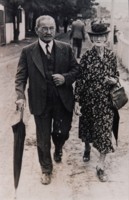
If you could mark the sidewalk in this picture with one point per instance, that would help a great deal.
(12, 50)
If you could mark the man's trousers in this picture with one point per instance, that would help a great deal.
(55, 121)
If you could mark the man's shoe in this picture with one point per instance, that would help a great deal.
(46, 178)
(58, 155)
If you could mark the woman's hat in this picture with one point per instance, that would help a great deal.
(98, 29)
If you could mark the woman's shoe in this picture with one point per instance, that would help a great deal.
(101, 174)
(58, 155)
(86, 156)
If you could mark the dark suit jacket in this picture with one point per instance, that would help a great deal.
(78, 30)
(31, 68)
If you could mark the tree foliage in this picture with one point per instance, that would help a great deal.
(56, 8)
(15, 5)
(53, 7)
(86, 7)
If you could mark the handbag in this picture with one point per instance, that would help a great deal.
(118, 96)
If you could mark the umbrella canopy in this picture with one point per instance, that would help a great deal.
(115, 127)
(19, 137)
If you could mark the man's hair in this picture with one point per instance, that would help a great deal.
(44, 17)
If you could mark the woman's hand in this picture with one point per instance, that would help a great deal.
(110, 80)
(77, 109)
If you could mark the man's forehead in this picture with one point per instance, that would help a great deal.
(47, 22)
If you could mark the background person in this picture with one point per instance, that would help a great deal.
(98, 74)
(115, 35)
(65, 24)
(50, 68)
(77, 34)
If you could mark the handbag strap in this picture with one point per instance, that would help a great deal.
(118, 84)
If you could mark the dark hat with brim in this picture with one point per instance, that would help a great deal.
(98, 29)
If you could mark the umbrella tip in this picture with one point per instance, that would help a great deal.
(15, 196)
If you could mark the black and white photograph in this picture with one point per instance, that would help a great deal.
(64, 103)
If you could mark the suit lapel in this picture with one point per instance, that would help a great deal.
(59, 53)
(36, 56)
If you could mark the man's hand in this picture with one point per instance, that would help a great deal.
(58, 79)
(20, 104)
(77, 109)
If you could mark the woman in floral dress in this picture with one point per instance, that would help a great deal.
(98, 74)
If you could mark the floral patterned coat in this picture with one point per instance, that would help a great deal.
(93, 94)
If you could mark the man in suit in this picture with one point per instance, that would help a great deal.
(77, 34)
(50, 68)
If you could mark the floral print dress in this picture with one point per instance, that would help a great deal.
(93, 95)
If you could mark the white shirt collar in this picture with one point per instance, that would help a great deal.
(43, 45)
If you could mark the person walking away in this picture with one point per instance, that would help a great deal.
(98, 74)
(65, 24)
(78, 35)
(50, 69)
(115, 35)
(57, 24)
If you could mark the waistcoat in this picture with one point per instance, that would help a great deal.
(49, 68)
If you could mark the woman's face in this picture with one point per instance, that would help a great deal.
(99, 40)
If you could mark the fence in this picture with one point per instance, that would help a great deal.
(123, 51)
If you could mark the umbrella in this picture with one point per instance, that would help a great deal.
(115, 127)
(19, 137)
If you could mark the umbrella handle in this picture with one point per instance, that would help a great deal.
(21, 113)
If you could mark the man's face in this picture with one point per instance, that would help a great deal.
(46, 30)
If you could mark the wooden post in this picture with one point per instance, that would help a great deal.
(112, 24)
(128, 9)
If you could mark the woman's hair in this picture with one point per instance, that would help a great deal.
(93, 36)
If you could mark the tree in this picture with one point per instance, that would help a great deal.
(33, 9)
(29, 6)
(86, 7)
(16, 11)
(55, 8)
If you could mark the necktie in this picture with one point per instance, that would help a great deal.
(47, 51)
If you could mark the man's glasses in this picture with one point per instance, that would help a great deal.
(46, 29)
